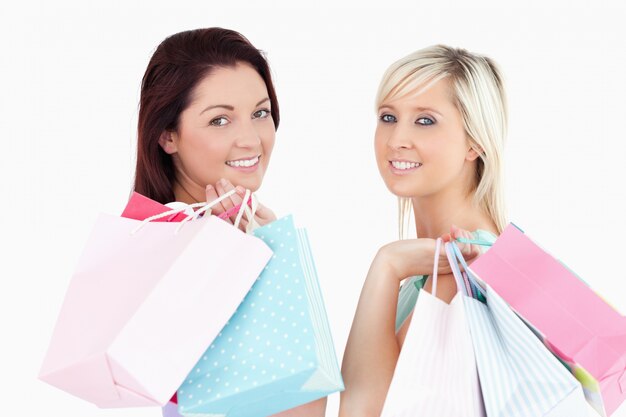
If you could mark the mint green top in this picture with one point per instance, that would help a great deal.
(411, 287)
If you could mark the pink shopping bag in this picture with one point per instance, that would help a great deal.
(140, 207)
(586, 333)
(134, 296)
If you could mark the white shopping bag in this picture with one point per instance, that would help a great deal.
(145, 301)
(436, 371)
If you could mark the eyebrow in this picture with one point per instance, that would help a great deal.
(229, 107)
(418, 108)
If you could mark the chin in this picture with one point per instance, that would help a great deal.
(403, 190)
(252, 184)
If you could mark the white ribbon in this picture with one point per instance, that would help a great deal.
(204, 208)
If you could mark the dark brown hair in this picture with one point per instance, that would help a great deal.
(179, 63)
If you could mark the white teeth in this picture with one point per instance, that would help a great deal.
(405, 165)
(243, 162)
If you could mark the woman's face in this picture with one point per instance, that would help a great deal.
(421, 145)
(226, 132)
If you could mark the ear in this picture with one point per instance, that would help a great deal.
(474, 150)
(473, 154)
(168, 141)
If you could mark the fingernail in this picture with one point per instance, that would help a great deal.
(209, 187)
(222, 182)
(240, 189)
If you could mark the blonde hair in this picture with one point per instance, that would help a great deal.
(478, 93)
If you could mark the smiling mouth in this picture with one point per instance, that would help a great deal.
(404, 165)
(244, 163)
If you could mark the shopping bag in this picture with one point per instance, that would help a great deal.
(140, 207)
(276, 352)
(585, 332)
(519, 376)
(436, 371)
(135, 294)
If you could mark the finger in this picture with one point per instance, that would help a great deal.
(264, 215)
(475, 250)
(444, 264)
(221, 186)
(241, 193)
(456, 233)
(469, 249)
(243, 224)
(235, 198)
(211, 195)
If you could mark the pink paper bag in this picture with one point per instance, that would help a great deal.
(134, 297)
(586, 333)
(140, 207)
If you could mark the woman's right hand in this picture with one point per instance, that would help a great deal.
(262, 216)
(411, 257)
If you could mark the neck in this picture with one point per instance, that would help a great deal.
(435, 214)
(188, 192)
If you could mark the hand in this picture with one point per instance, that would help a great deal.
(411, 257)
(468, 250)
(262, 216)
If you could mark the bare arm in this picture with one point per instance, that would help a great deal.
(372, 350)
(315, 408)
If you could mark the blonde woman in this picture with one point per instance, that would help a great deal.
(442, 121)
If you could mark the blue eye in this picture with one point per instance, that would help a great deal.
(219, 121)
(261, 114)
(387, 118)
(427, 121)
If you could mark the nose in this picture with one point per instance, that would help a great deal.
(400, 137)
(247, 135)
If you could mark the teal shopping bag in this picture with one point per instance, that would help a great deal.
(276, 352)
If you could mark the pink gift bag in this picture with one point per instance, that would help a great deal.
(136, 294)
(577, 325)
(140, 207)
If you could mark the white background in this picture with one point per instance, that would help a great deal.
(70, 77)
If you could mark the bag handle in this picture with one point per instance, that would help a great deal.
(205, 206)
(233, 210)
(436, 266)
(242, 208)
(465, 281)
(474, 241)
(477, 291)
(461, 285)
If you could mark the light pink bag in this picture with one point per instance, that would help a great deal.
(587, 334)
(135, 296)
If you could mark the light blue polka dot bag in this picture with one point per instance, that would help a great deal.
(276, 352)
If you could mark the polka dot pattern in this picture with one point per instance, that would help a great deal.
(268, 338)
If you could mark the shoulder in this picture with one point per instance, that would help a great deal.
(486, 236)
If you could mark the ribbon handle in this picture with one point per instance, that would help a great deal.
(205, 207)
(474, 241)
(465, 281)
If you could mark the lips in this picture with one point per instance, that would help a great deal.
(244, 162)
(404, 165)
